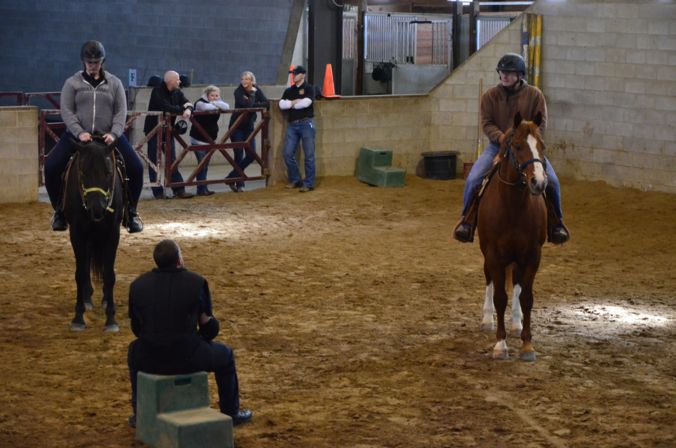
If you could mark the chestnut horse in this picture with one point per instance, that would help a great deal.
(512, 223)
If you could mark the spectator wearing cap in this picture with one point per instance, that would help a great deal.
(298, 101)
(167, 97)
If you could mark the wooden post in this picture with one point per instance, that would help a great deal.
(361, 51)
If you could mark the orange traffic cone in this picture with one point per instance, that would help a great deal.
(290, 82)
(328, 91)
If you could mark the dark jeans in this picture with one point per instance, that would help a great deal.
(482, 167)
(152, 175)
(210, 357)
(241, 159)
(56, 161)
(300, 130)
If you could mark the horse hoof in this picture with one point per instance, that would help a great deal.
(528, 356)
(515, 332)
(88, 306)
(114, 328)
(77, 327)
(500, 355)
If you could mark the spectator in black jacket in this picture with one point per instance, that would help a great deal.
(210, 101)
(167, 97)
(166, 307)
(247, 95)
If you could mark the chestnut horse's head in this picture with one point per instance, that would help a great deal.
(526, 149)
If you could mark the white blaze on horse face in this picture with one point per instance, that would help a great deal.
(538, 168)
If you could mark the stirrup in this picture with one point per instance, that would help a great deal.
(463, 232)
(135, 224)
(59, 223)
(558, 234)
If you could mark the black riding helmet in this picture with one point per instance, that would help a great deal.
(512, 62)
(92, 51)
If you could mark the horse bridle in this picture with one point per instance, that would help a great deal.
(108, 194)
(519, 167)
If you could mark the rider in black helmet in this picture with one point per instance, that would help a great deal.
(93, 102)
(499, 105)
(92, 51)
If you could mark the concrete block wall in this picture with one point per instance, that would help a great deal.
(18, 154)
(610, 81)
(215, 41)
(455, 101)
(399, 123)
(609, 76)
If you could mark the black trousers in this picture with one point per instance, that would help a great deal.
(208, 356)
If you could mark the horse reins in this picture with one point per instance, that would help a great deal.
(107, 194)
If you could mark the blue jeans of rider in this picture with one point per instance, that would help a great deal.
(242, 157)
(152, 175)
(209, 357)
(202, 175)
(483, 165)
(301, 130)
(57, 160)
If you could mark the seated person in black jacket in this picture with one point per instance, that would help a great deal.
(167, 306)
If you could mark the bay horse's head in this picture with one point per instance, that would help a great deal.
(95, 164)
(525, 148)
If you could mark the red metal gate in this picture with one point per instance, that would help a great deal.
(220, 146)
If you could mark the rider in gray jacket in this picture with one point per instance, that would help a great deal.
(93, 102)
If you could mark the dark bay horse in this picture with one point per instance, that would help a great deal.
(93, 205)
(512, 223)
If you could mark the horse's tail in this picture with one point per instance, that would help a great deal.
(98, 246)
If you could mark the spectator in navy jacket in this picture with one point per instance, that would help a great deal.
(247, 95)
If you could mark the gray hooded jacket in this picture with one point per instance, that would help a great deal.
(101, 109)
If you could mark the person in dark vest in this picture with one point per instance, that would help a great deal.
(499, 105)
(247, 95)
(93, 102)
(298, 101)
(171, 316)
(167, 97)
(210, 101)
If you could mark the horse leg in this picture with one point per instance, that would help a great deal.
(487, 322)
(500, 351)
(83, 283)
(111, 325)
(517, 315)
(88, 297)
(526, 299)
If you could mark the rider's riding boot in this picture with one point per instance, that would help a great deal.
(464, 231)
(557, 232)
(135, 224)
(59, 223)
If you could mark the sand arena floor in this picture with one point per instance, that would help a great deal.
(355, 321)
